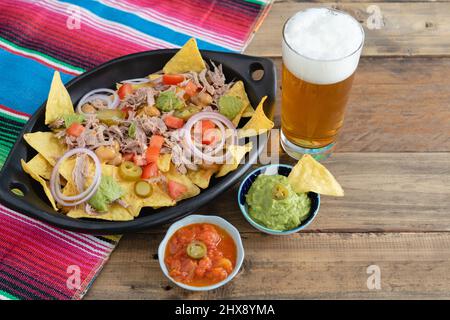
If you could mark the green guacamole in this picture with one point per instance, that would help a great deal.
(274, 204)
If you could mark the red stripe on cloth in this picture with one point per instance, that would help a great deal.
(63, 243)
(229, 18)
(34, 257)
(26, 23)
(2, 107)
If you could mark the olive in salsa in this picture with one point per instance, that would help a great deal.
(200, 254)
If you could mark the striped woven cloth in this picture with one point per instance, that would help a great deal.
(38, 261)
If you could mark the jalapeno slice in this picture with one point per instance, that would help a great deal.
(196, 249)
(279, 192)
(129, 171)
(110, 116)
(143, 189)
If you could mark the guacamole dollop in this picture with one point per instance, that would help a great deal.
(108, 191)
(230, 106)
(274, 204)
(168, 101)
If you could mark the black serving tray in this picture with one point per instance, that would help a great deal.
(35, 204)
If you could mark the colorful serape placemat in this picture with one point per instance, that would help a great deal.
(38, 261)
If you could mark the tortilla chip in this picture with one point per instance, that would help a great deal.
(70, 189)
(43, 183)
(58, 102)
(46, 144)
(248, 112)
(238, 90)
(258, 123)
(310, 175)
(192, 189)
(115, 213)
(238, 153)
(40, 166)
(154, 76)
(188, 58)
(159, 198)
(164, 161)
(201, 177)
(134, 86)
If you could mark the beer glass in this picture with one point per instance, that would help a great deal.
(321, 49)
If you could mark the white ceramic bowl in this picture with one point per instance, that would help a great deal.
(228, 227)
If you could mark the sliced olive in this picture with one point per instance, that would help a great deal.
(196, 249)
(187, 112)
(110, 116)
(280, 192)
(143, 189)
(129, 171)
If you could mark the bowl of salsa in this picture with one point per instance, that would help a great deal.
(201, 253)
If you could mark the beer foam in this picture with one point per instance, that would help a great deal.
(322, 46)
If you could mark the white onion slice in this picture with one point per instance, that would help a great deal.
(104, 94)
(55, 182)
(136, 81)
(216, 118)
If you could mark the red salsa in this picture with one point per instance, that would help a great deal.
(200, 254)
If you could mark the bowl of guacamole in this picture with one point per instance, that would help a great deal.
(269, 203)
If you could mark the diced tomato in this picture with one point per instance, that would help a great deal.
(126, 110)
(128, 156)
(211, 136)
(171, 79)
(152, 154)
(156, 141)
(125, 90)
(191, 89)
(75, 129)
(150, 170)
(139, 160)
(173, 122)
(206, 125)
(176, 190)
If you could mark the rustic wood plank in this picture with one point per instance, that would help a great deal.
(412, 265)
(409, 29)
(384, 192)
(396, 105)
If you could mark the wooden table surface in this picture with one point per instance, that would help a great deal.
(392, 159)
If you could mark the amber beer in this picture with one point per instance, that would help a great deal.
(321, 49)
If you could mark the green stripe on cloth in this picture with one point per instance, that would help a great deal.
(6, 296)
(12, 126)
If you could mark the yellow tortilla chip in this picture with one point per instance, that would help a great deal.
(43, 183)
(40, 166)
(154, 76)
(159, 198)
(248, 112)
(238, 90)
(258, 123)
(201, 177)
(58, 102)
(46, 144)
(188, 58)
(310, 175)
(164, 161)
(115, 213)
(192, 189)
(238, 153)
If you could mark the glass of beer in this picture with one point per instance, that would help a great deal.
(321, 49)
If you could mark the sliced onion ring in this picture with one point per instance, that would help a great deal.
(136, 81)
(215, 117)
(55, 182)
(100, 94)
